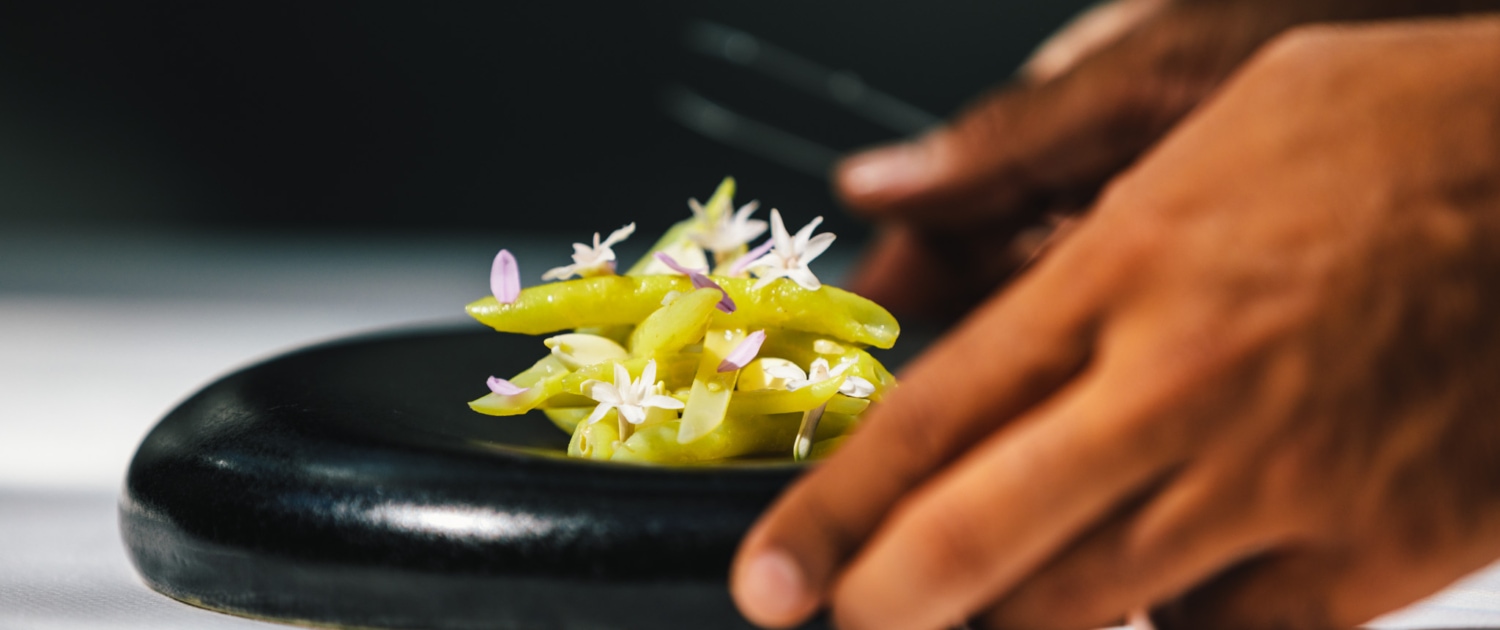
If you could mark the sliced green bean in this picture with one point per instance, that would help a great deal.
(627, 300)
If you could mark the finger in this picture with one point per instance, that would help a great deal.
(1091, 30)
(1011, 353)
(1203, 522)
(972, 533)
(1003, 157)
(1016, 148)
(1034, 140)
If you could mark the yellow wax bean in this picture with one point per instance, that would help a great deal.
(626, 300)
(800, 348)
(618, 334)
(496, 405)
(567, 418)
(835, 425)
(547, 366)
(675, 325)
(847, 405)
(709, 398)
(824, 448)
(737, 436)
(597, 440)
(770, 401)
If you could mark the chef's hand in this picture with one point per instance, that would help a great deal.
(1259, 386)
(1088, 104)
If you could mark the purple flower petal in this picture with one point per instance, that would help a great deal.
(677, 267)
(505, 388)
(744, 353)
(699, 281)
(505, 277)
(744, 261)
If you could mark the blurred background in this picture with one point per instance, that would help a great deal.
(444, 116)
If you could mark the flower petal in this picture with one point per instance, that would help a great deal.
(804, 276)
(560, 273)
(799, 242)
(779, 234)
(505, 277)
(634, 414)
(622, 378)
(600, 411)
(743, 353)
(672, 264)
(648, 375)
(786, 371)
(618, 235)
(856, 387)
(726, 303)
(818, 370)
(700, 281)
(662, 401)
(505, 388)
(816, 247)
(603, 392)
(756, 254)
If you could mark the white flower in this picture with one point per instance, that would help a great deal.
(853, 386)
(631, 398)
(728, 231)
(591, 261)
(789, 256)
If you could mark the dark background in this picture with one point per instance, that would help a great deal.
(444, 116)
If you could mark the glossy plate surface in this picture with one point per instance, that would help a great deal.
(350, 485)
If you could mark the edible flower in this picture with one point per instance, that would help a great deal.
(699, 280)
(592, 261)
(817, 372)
(631, 398)
(505, 388)
(744, 352)
(790, 255)
(505, 277)
(724, 232)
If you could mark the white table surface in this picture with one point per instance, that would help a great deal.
(103, 331)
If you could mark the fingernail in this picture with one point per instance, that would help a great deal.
(1140, 619)
(773, 587)
(887, 170)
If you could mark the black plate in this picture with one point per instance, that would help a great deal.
(349, 485)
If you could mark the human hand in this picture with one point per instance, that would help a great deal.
(1256, 388)
(1088, 104)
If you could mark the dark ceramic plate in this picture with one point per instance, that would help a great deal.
(349, 485)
